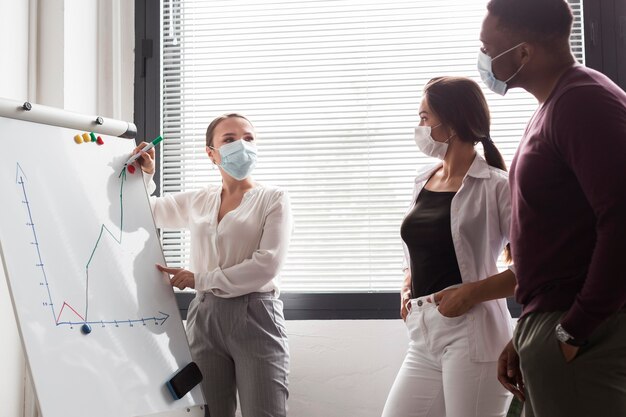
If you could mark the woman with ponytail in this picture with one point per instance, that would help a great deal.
(453, 297)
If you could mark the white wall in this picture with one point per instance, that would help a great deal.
(14, 48)
(13, 84)
(80, 38)
(84, 56)
(343, 368)
(49, 54)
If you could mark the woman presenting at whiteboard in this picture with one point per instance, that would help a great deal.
(240, 233)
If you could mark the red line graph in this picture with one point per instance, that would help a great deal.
(71, 308)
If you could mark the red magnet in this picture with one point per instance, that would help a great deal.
(131, 169)
(100, 141)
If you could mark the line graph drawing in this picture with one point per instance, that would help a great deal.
(20, 179)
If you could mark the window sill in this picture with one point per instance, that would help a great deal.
(336, 306)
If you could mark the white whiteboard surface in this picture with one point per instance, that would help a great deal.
(79, 244)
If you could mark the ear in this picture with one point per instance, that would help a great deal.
(526, 51)
(209, 153)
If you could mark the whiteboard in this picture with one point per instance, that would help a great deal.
(79, 245)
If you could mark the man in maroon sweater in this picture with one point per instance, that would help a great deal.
(568, 223)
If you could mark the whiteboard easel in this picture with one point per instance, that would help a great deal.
(78, 246)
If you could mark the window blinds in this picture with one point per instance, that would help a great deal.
(333, 88)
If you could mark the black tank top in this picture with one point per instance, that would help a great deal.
(427, 233)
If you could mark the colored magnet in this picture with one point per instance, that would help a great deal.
(78, 139)
(131, 169)
(99, 141)
(85, 328)
(86, 137)
(93, 137)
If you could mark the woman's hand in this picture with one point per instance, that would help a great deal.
(454, 302)
(405, 294)
(146, 160)
(405, 298)
(182, 278)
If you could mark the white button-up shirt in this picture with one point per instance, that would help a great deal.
(241, 254)
(480, 216)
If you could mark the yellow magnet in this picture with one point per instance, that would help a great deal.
(78, 139)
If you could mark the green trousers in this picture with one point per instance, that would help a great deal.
(593, 384)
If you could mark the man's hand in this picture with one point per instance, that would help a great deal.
(569, 351)
(509, 373)
(181, 279)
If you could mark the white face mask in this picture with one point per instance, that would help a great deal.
(486, 72)
(428, 145)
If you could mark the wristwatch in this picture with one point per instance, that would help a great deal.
(563, 336)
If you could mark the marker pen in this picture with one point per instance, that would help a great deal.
(145, 149)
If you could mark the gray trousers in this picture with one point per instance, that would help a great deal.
(240, 345)
(592, 384)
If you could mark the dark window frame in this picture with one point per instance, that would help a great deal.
(147, 107)
(605, 32)
(605, 38)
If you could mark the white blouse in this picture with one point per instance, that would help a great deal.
(241, 254)
(480, 216)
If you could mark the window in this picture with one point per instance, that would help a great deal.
(333, 88)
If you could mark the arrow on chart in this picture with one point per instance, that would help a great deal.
(167, 316)
(19, 174)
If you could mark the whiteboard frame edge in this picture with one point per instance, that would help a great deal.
(19, 330)
(190, 411)
(53, 116)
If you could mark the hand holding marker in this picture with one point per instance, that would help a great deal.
(145, 149)
(134, 157)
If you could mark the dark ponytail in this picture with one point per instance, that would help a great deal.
(492, 154)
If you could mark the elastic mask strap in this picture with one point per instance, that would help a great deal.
(507, 51)
(516, 72)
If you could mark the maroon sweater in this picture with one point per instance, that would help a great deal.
(568, 185)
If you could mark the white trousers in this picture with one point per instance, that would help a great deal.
(437, 378)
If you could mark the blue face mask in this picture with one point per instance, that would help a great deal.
(486, 72)
(238, 158)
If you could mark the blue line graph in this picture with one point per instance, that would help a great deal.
(20, 179)
(144, 321)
